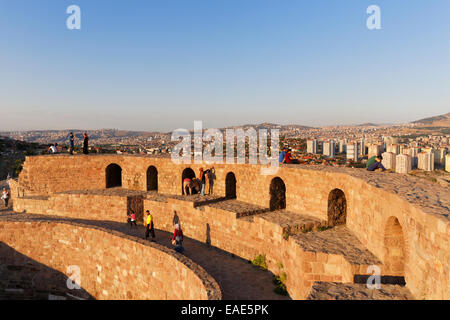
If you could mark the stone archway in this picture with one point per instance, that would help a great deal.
(277, 194)
(394, 248)
(187, 173)
(337, 208)
(230, 186)
(113, 176)
(152, 179)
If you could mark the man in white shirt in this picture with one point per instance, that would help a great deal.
(52, 149)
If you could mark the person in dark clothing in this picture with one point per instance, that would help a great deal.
(71, 143)
(376, 165)
(85, 143)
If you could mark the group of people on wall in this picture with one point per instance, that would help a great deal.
(204, 184)
(55, 148)
(286, 156)
(177, 238)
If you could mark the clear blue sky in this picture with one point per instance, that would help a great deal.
(160, 65)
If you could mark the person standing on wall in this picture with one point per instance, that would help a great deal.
(71, 143)
(150, 228)
(203, 181)
(5, 197)
(85, 143)
(211, 177)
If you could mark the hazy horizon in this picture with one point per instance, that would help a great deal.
(157, 66)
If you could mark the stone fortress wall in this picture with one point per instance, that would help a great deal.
(401, 221)
(111, 266)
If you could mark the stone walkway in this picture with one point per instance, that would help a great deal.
(353, 291)
(238, 279)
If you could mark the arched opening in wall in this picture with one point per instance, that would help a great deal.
(394, 249)
(187, 173)
(337, 208)
(230, 186)
(277, 194)
(152, 179)
(113, 176)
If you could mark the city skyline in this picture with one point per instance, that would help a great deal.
(158, 66)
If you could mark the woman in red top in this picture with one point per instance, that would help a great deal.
(288, 157)
(177, 239)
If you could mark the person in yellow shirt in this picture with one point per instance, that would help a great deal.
(150, 229)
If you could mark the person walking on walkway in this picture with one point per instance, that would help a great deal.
(5, 197)
(85, 143)
(132, 219)
(150, 228)
(71, 143)
(177, 239)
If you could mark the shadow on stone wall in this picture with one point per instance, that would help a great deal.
(22, 278)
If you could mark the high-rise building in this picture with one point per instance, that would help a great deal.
(362, 143)
(426, 161)
(388, 160)
(413, 153)
(439, 156)
(329, 149)
(311, 146)
(343, 146)
(447, 163)
(394, 148)
(352, 151)
(402, 163)
(374, 150)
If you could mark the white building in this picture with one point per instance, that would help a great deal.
(343, 146)
(402, 163)
(413, 153)
(394, 148)
(362, 143)
(388, 160)
(426, 161)
(374, 150)
(447, 163)
(329, 149)
(352, 151)
(439, 156)
(311, 146)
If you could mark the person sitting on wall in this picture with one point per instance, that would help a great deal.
(371, 161)
(282, 155)
(376, 165)
(287, 157)
(52, 149)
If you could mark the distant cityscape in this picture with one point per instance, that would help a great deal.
(421, 145)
